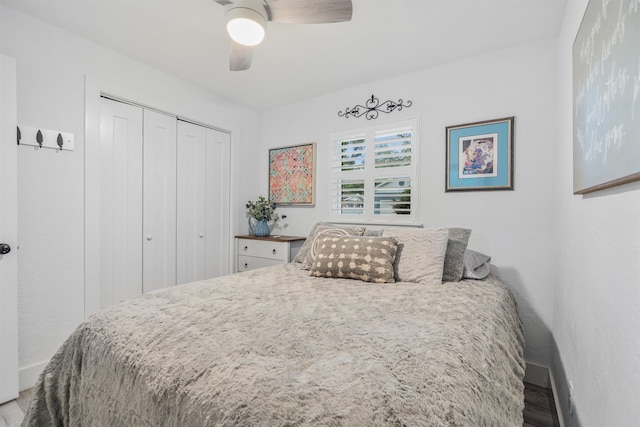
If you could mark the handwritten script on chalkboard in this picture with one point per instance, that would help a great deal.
(606, 96)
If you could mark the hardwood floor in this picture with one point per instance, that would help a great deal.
(12, 413)
(539, 408)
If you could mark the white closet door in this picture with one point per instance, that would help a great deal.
(218, 203)
(203, 203)
(159, 208)
(192, 163)
(121, 201)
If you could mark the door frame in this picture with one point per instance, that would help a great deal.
(96, 87)
(9, 362)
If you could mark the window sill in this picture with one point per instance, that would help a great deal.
(375, 223)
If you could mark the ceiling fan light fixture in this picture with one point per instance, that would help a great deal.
(246, 21)
(246, 26)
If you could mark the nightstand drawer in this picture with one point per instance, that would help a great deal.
(246, 263)
(257, 252)
(263, 249)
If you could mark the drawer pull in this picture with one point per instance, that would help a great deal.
(245, 248)
(273, 251)
(246, 264)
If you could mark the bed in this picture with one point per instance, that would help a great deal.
(286, 346)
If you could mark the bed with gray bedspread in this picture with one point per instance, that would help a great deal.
(276, 347)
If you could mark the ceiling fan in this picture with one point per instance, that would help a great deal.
(247, 21)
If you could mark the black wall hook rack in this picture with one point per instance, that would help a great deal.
(45, 138)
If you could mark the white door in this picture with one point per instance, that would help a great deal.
(120, 202)
(192, 164)
(218, 202)
(159, 205)
(8, 232)
(203, 202)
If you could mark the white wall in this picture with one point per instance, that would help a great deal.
(51, 69)
(573, 261)
(514, 227)
(596, 314)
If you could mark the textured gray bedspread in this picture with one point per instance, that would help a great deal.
(275, 347)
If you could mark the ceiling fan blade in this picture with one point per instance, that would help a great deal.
(241, 56)
(223, 2)
(309, 11)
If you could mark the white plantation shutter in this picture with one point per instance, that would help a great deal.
(348, 166)
(393, 148)
(374, 173)
(392, 196)
(352, 153)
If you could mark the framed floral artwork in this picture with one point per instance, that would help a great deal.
(480, 156)
(292, 174)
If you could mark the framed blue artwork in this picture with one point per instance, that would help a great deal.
(480, 156)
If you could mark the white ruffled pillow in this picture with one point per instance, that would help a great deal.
(420, 255)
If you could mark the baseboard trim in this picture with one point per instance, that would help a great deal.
(537, 375)
(543, 377)
(554, 388)
(560, 382)
(28, 376)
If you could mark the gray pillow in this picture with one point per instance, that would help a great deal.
(454, 259)
(421, 254)
(476, 265)
(369, 259)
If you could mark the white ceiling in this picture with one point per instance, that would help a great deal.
(385, 38)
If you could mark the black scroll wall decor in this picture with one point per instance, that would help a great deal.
(372, 107)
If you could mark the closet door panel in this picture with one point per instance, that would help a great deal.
(217, 203)
(159, 206)
(191, 210)
(121, 202)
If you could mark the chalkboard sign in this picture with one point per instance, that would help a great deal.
(606, 96)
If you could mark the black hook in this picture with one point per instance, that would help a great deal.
(39, 138)
(19, 134)
(60, 141)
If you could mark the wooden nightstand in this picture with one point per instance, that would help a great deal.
(256, 252)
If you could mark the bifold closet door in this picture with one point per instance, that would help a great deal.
(203, 203)
(164, 202)
(218, 203)
(159, 201)
(121, 157)
(138, 201)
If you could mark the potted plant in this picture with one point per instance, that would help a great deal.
(262, 211)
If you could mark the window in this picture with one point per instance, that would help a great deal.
(374, 173)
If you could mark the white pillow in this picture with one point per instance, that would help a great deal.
(420, 255)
